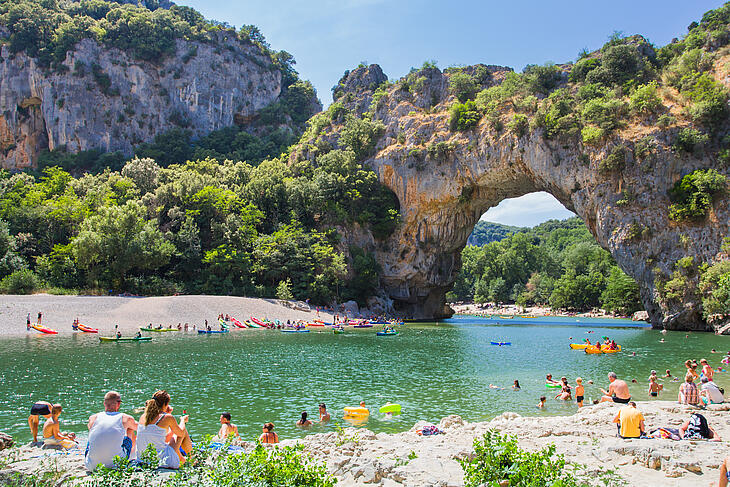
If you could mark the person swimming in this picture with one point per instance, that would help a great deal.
(516, 385)
(268, 436)
(303, 422)
(541, 404)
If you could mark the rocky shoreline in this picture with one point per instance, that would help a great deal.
(588, 438)
(489, 309)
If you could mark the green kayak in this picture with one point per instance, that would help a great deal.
(158, 330)
(125, 339)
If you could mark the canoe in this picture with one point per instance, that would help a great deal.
(258, 322)
(295, 331)
(315, 324)
(86, 329)
(125, 339)
(579, 346)
(212, 331)
(363, 325)
(43, 329)
(594, 350)
(507, 317)
(223, 324)
(501, 343)
(158, 330)
(238, 323)
(386, 333)
(391, 408)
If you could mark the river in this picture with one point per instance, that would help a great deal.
(431, 369)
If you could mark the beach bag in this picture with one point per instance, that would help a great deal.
(429, 430)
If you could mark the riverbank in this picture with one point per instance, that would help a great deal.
(129, 313)
(360, 457)
(489, 309)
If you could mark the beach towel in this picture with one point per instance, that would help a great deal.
(429, 430)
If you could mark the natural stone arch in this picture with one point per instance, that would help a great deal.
(446, 180)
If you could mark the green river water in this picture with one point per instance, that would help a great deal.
(432, 370)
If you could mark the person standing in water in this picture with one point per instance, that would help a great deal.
(324, 416)
(579, 391)
(228, 429)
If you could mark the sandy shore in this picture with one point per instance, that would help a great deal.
(360, 457)
(104, 312)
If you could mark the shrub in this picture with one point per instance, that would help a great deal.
(23, 281)
(361, 136)
(497, 458)
(645, 147)
(715, 288)
(690, 140)
(440, 150)
(592, 135)
(645, 99)
(283, 290)
(464, 115)
(582, 68)
(604, 112)
(614, 161)
(463, 86)
(542, 79)
(693, 195)
(709, 101)
(519, 124)
(620, 64)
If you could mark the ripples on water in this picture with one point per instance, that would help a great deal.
(432, 370)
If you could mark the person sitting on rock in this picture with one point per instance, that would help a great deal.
(688, 393)
(710, 393)
(617, 392)
(724, 473)
(697, 428)
(268, 436)
(111, 434)
(630, 421)
(228, 429)
(52, 435)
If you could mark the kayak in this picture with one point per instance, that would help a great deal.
(391, 408)
(85, 329)
(337, 331)
(592, 350)
(363, 325)
(43, 329)
(238, 323)
(223, 324)
(386, 333)
(295, 331)
(579, 346)
(125, 339)
(315, 324)
(501, 343)
(158, 330)
(258, 322)
(213, 331)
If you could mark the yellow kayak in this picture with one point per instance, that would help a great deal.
(593, 349)
(579, 346)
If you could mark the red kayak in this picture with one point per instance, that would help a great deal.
(86, 329)
(238, 323)
(259, 322)
(43, 329)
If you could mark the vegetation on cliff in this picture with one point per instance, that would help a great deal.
(557, 263)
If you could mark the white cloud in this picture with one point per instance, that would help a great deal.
(528, 210)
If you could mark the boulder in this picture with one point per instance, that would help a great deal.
(6, 441)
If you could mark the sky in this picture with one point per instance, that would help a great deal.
(328, 37)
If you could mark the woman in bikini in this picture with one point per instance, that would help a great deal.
(268, 436)
(158, 427)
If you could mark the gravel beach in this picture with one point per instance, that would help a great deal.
(104, 312)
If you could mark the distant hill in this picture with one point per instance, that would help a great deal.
(486, 232)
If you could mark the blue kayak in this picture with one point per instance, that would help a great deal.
(501, 343)
(295, 331)
(386, 333)
(213, 331)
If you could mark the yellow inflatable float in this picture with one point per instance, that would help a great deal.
(356, 411)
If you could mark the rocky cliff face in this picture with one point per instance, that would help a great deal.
(445, 180)
(107, 100)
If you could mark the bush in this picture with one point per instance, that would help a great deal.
(693, 195)
(709, 101)
(604, 113)
(497, 458)
(542, 79)
(463, 86)
(283, 290)
(592, 135)
(464, 116)
(614, 161)
(690, 140)
(645, 99)
(519, 124)
(582, 68)
(620, 64)
(715, 288)
(23, 281)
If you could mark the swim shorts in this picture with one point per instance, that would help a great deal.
(621, 401)
(40, 410)
(578, 398)
(654, 394)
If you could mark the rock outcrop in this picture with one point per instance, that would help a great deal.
(445, 180)
(107, 100)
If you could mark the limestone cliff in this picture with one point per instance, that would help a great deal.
(446, 179)
(105, 99)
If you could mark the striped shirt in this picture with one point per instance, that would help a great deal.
(688, 394)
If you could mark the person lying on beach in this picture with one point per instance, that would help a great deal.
(541, 404)
(228, 430)
(697, 428)
(630, 421)
(40, 408)
(617, 392)
(52, 435)
(111, 434)
(324, 416)
(579, 391)
(268, 436)
(303, 422)
(158, 427)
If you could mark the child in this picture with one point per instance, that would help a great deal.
(654, 387)
(541, 404)
(579, 391)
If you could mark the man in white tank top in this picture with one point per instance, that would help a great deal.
(111, 434)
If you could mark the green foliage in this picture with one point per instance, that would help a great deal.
(605, 113)
(283, 290)
(542, 79)
(464, 116)
(690, 140)
(709, 101)
(715, 289)
(621, 293)
(614, 161)
(692, 196)
(645, 99)
(519, 124)
(22, 281)
(365, 278)
(592, 135)
(497, 458)
(621, 64)
(361, 135)
(462, 85)
(580, 69)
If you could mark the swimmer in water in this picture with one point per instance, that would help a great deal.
(661, 341)
(669, 375)
(541, 404)
(516, 385)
